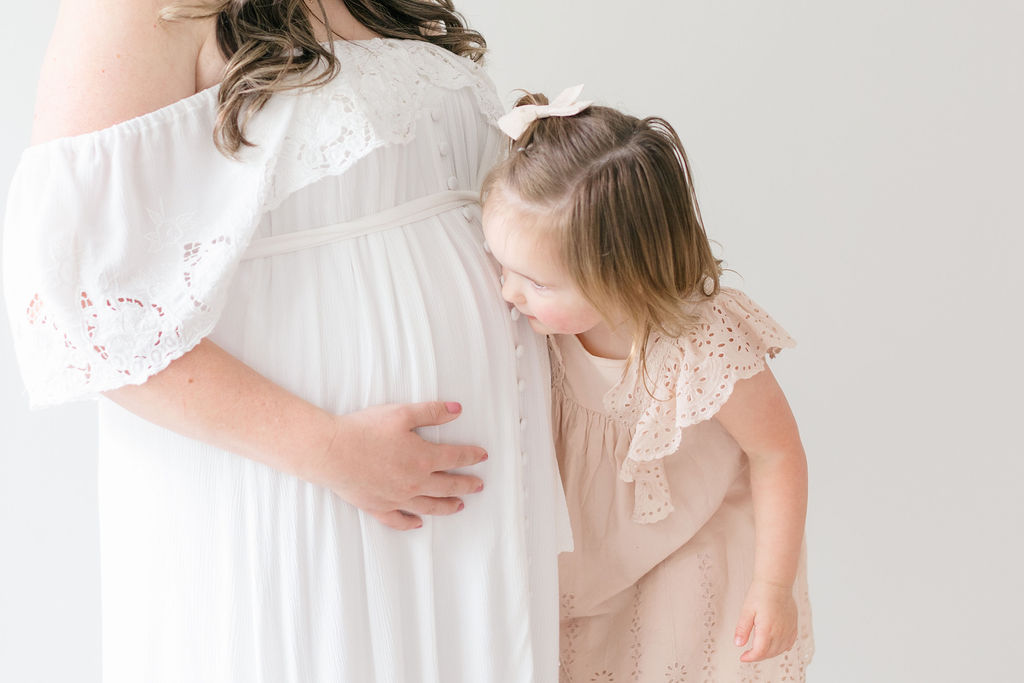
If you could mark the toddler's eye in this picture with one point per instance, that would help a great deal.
(538, 287)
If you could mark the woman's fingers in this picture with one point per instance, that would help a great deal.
(398, 520)
(449, 457)
(447, 485)
(431, 413)
(377, 462)
(409, 518)
(443, 456)
(425, 505)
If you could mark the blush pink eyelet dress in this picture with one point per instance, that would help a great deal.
(660, 506)
(342, 257)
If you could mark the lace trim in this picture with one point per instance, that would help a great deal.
(693, 377)
(372, 106)
(88, 321)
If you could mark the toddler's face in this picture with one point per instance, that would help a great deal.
(534, 279)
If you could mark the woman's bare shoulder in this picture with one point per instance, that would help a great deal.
(111, 60)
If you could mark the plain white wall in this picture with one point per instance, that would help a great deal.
(861, 166)
(49, 536)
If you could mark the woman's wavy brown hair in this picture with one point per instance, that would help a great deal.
(271, 45)
(617, 192)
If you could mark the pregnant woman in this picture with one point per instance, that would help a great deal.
(251, 226)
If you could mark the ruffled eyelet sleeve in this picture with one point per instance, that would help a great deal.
(690, 378)
(120, 245)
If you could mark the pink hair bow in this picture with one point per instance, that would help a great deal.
(515, 122)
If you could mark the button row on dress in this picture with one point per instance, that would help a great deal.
(520, 351)
(443, 148)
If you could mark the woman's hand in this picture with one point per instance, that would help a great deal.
(371, 458)
(376, 462)
(770, 611)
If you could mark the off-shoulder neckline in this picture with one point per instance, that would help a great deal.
(183, 106)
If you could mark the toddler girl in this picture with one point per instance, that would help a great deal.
(675, 442)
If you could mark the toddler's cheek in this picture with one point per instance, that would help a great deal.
(562, 323)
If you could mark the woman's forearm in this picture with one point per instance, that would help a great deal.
(211, 396)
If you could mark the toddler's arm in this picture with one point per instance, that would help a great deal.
(757, 415)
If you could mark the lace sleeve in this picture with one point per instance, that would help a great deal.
(691, 378)
(120, 245)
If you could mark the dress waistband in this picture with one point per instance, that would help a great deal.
(403, 214)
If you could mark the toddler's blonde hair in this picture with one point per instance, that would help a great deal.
(617, 192)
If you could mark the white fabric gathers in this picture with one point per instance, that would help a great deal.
(127, 246)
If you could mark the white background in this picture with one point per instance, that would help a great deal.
(860, 164)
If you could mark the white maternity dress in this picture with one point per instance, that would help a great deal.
(342, 258)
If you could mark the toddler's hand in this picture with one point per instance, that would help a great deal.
(770, 611)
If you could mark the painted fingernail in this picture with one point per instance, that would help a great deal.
(479, 488)
(461, 507)
(738, 641)
(453, 407)
(485, 456)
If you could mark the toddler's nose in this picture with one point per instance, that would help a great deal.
(510, 291)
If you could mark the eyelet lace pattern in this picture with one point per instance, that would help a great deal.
(120, 244)
(663, 605)
(693, 376)
(646, 663)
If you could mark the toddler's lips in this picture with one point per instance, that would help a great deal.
(523, 313)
